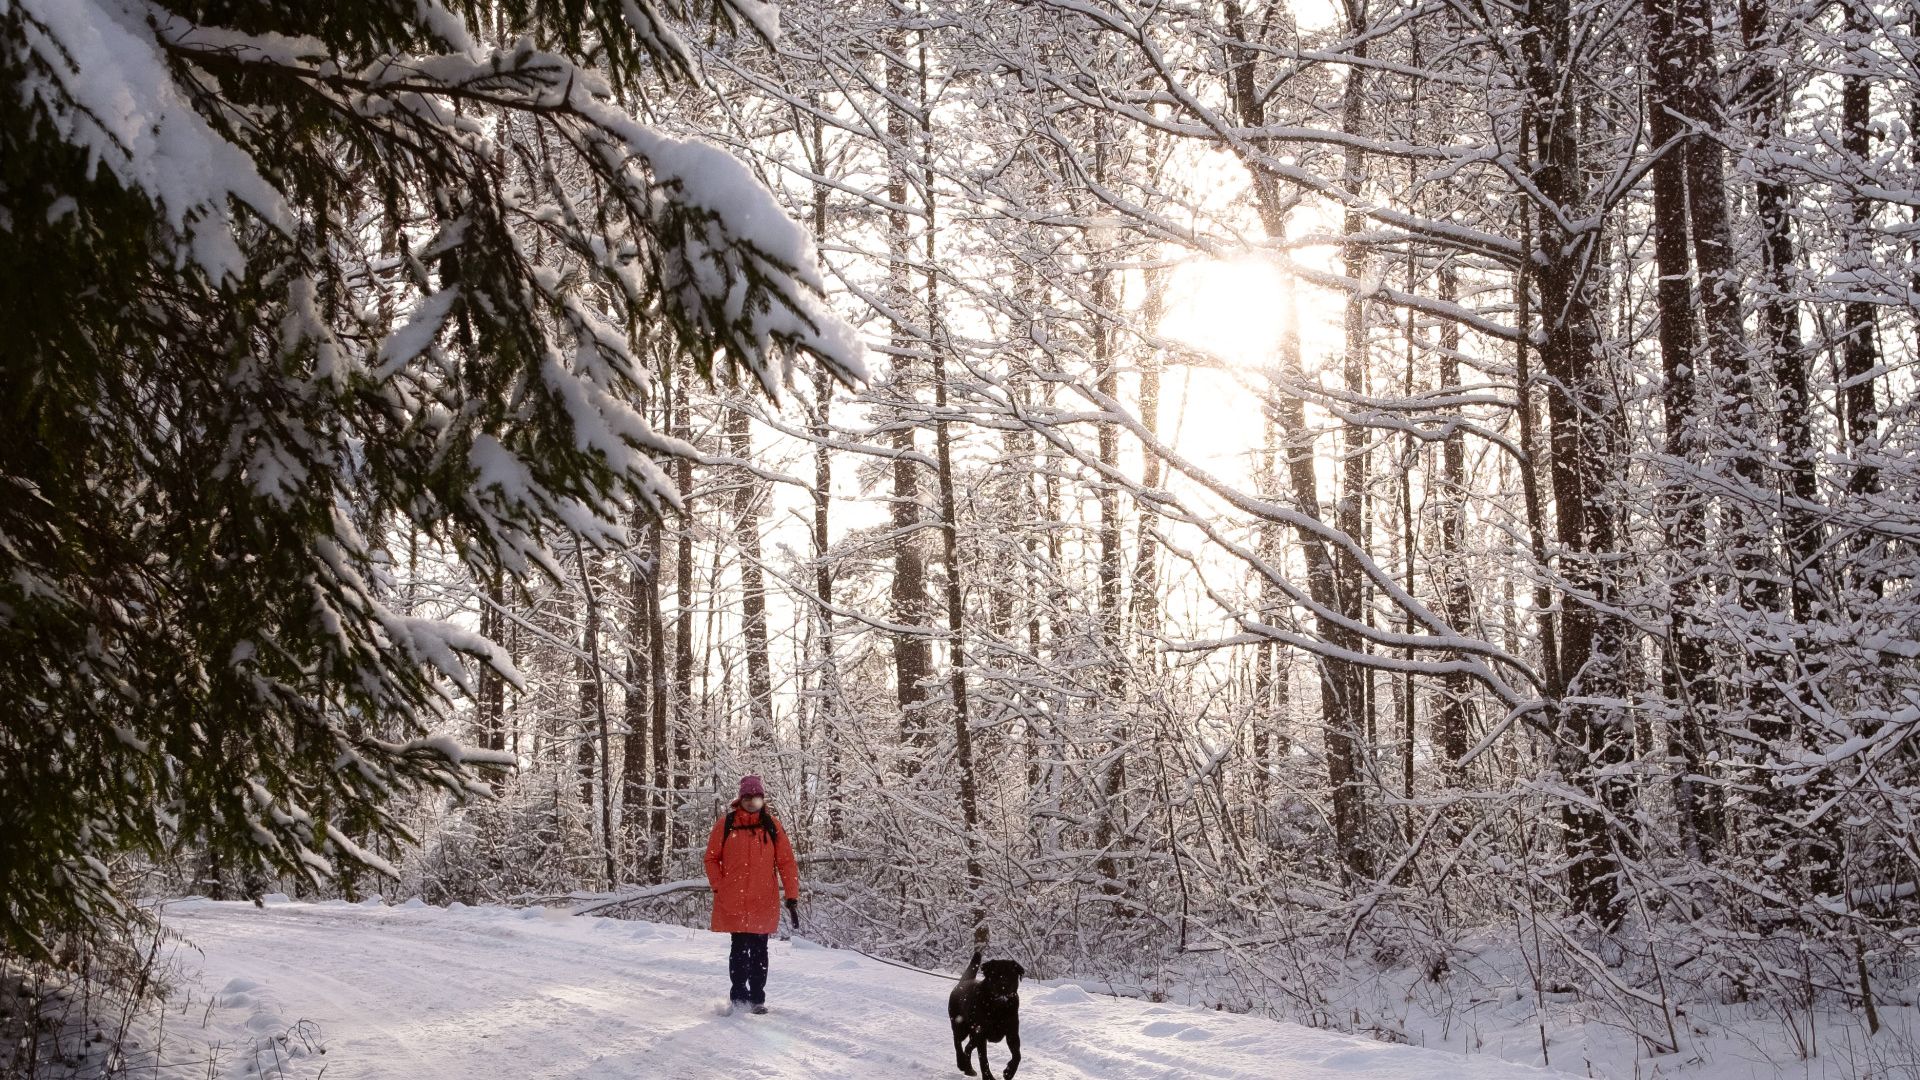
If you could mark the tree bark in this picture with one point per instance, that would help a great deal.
(593, 708)
(657, 692)
(1688, 671)
(1780, 317)
(961, 714)
(1591, 748)
(912, 652)
(1342, 681)
(493, 687)
(1108, 566)
(957, 651)
(828, 692)
(1860, 348)
(1452, 719)
(668, 808)
(753, 586)
(1350, 742)
(642, 657)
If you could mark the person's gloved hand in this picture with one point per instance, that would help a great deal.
(793, 912)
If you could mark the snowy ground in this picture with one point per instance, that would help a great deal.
(425, 993)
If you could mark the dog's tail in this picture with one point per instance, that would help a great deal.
(973, 967)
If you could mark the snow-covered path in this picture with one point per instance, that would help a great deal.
(424, 993)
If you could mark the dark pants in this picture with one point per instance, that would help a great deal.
(747, 966)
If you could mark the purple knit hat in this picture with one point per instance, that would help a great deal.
(750, 785)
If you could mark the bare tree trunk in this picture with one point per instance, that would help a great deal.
(1860, 350)
(1409, 551)
(593, 710)
(1755, 589)
(657, 691)
(493, 688)
(1343, 683)
(1802, 533)
(828, 695)
(669, 806)
(1350, 734)
(912, 652)
(1021, 448)
(1591, 749)
(957, 650)
(1108, 566)
(1145, 603)
(1688, 670)
(1860, 346)
(1452, 720)
(585, 677)
(643, 656)
(1780, 316)
(950, 534)
(753, 587)
(1266, 653)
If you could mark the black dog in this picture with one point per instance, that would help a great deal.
(984, 1010)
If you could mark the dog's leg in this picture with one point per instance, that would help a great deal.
(1013, 1048)
(961, 1051)
(986, 1069)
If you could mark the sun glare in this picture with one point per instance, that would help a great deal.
(1232, 309)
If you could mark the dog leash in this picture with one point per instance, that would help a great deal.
(947, 977)
(895, 963)
(890, 963)
(943, 976)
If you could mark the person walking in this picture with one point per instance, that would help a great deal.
(749, 863)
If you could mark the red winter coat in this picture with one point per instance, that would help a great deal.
(741, 865)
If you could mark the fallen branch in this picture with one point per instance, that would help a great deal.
(651, 892)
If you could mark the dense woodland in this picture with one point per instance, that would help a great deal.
(1540, 592)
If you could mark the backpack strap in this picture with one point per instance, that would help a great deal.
(768, 824)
